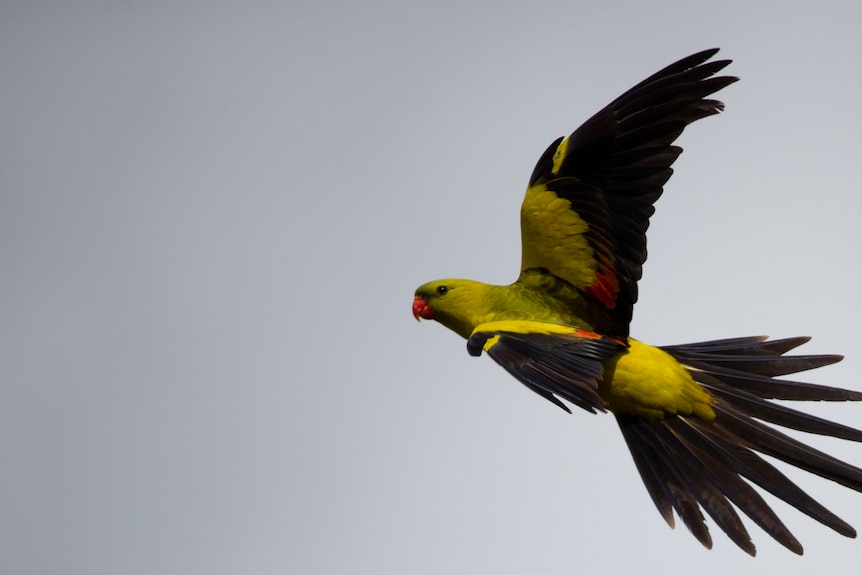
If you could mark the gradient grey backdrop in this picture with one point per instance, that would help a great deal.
(213, 217)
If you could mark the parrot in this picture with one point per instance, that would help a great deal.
(697, 418)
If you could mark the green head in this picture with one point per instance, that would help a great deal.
(458, 304)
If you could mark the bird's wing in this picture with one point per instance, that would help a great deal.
(552, 360)
(587, 207)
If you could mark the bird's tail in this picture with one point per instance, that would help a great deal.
(689, 463)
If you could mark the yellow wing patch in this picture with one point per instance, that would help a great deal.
(529, 327)
(553, 237)
(560, 155)
(491, 342)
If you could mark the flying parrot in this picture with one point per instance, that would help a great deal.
(692, 415)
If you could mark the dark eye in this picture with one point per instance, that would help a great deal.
(442, 290)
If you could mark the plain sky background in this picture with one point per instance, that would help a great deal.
(213, 217)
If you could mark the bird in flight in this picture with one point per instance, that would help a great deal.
(694, 416)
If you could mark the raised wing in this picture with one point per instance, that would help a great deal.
(589, 200)
(555, 361)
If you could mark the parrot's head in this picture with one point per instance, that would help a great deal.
(458, 304)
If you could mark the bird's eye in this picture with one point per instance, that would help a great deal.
(442, 290)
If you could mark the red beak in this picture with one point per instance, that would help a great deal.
(422, 309)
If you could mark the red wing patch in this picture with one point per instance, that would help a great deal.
(586, 334)
(606, 286)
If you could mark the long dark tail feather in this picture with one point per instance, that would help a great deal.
(689, 464)
(652, 476)
(753, 467)
(665, 484)
(730, 482)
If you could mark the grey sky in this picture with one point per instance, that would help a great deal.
(213, 217)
